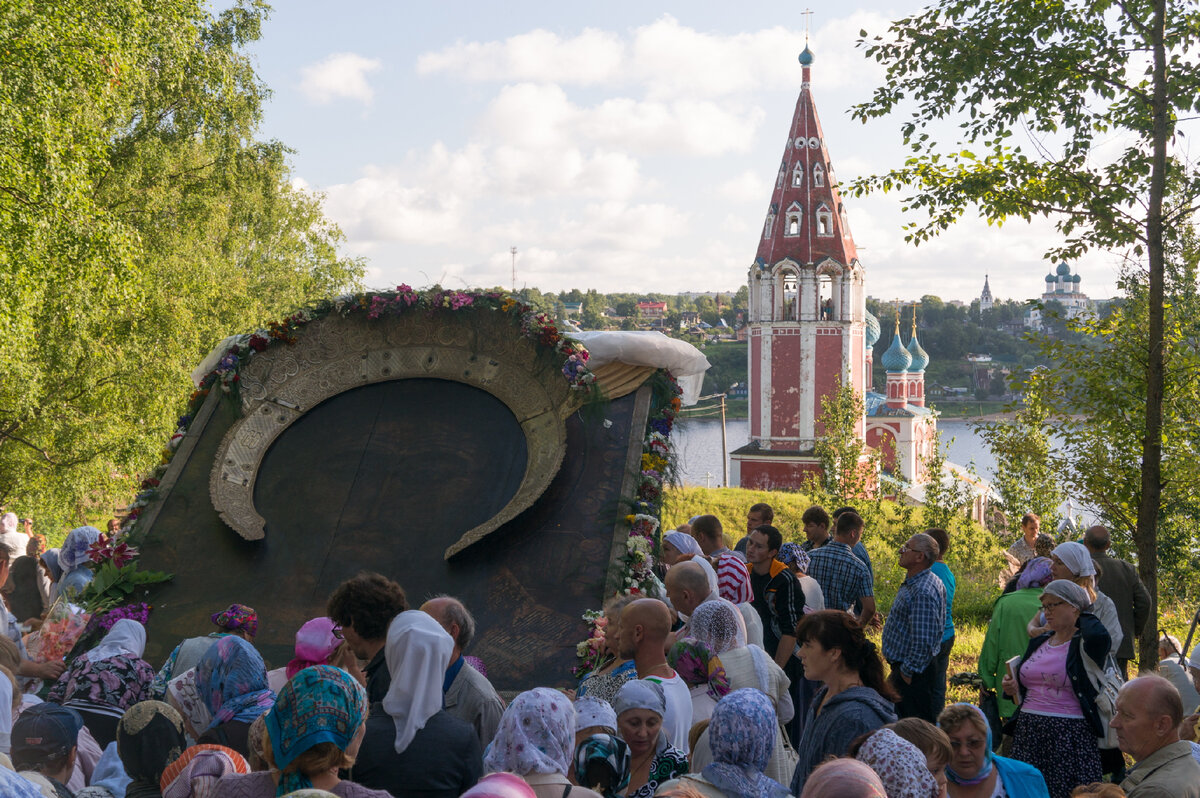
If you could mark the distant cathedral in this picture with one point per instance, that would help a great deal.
(985, 298)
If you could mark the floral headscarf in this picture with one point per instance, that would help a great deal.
(74, 551)
(500, 785)
(742, 738)
(843, 778)
(791, 554)
(195, 774)
(696, 665)
(608, 754)
(1035, 574)
(321, 704)
(900, 765)
(237, 616)
(149, 737)
(536, 734)
(718, 625)
(231, 678)
(186, 698)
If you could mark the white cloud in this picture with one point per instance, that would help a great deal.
(591, 57)
(339, 76)
(748, 186)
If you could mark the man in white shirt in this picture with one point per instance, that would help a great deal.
(645, 624)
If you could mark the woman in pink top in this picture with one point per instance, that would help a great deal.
(1057, 723)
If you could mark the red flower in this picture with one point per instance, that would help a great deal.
(258, 343)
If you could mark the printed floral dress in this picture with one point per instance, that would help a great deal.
(116, 682)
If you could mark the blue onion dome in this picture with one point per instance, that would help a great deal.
(806, 57)
(920, 358)
(1050, 278)
(1074, 278)
(1063, 269)
(872, 330)
(896, 358)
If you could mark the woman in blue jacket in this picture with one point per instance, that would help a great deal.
(974, 770)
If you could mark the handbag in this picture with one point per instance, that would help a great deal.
(787, 754)
(1108, 682)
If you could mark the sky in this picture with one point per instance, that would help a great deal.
(619, 146)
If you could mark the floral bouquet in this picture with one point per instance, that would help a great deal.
(696, 665)
(62, 627)
(591, 651)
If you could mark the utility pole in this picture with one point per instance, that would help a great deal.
(513, 251)
(724, 444)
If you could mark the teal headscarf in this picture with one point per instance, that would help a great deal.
(321, 704)
(988, 755)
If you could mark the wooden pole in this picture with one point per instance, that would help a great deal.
(724, 443)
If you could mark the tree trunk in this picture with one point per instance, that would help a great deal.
(1146, 534)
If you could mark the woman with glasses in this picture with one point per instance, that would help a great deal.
(1058, 723)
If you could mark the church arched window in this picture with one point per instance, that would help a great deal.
(768, 225)
(818, 175)
(798, 175)
(824, 221)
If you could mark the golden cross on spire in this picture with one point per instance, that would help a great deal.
(914, 319)
(807, 14)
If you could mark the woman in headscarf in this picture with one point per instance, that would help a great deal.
(104, 682)
(797, 559)
(24, 598)
(675, 544)
(231, 679)
(703, 673)
(602, 764)
(500, 785)
(315, 730)
(640, 706)
(742, 738)
(149, 738)
(899, 764)
(316, 644)
(185, 699)
(604, 682)
(854, 699)
(535, 740)
(199, 770)
(1058, 723)
(415, 746)
(73, 559)
(1072, 561)
(52, 571)
(109, 779)
(974, 771)
(719, 626)
(237, 619)
(844, 778)
(1006, 632)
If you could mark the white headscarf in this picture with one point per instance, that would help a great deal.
(1076, 557)
(8, 523)
(536, 735)
(685, 543)
(706, 566)
(590, 711)
(6, 716)
(417, 653)
(718, 624)
(126, 638)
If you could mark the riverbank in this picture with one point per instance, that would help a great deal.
(979, 410)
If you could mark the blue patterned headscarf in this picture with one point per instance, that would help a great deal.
(74, 551)
(741, 735)
(50, 557)
(321, 704)
(231, 679)
(608, 757)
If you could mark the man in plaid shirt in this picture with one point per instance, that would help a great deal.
(844, 578)
(912, 634)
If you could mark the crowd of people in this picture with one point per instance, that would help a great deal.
(753, 674)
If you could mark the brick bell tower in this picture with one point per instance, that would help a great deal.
(808, 316)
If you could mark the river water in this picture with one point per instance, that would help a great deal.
(698, 447)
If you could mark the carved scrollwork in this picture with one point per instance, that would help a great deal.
(336, 354)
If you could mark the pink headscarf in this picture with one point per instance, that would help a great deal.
(500, 785)
(315, 644)
(843, 778)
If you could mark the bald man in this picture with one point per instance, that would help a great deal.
(645, 624)
(1147, 720)
(688, 587)
(467, 692)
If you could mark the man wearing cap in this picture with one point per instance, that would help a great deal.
(1147, 720)
(468, 694)
(1119, 581)
(43, 745)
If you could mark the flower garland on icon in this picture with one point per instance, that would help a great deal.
(642, 546)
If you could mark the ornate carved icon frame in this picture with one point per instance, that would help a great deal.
(481, 348)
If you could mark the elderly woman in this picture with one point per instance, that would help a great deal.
(73, 559)
(974, 771)
(415, 747)
(676, 544)
(844, 778)
(536, 740)
(149, 738)
(198, 771)
(742, 737)
(640, 706)
(237, 619)
(899, 764)
(1006, 632)
(718, 625)
(703, 673)
(1058, 724)
(604, 682)
(854, 699)
(602, 764)
(231, 680)
(1071, 561)
(315, 730)
(104, 682)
